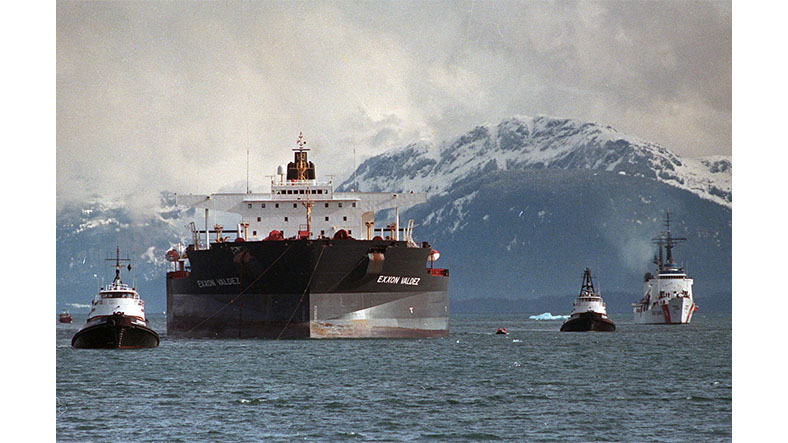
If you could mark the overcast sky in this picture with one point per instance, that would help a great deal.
(158, 96)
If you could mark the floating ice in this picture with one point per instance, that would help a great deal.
(548, 316)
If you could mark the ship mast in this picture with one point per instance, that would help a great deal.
(117, 261)
(668, 241)
(588, 285)
(300, 163)
(308, 205)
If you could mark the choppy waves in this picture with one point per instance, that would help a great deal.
(534, 385)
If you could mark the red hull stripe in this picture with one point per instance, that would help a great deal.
(666, 312)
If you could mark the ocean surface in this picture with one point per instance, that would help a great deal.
(640, 383)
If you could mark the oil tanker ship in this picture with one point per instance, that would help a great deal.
(306, 262)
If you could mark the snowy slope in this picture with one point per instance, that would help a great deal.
(541, 142)
(88, 233)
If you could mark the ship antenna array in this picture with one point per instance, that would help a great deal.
(588, 284)
(668, 241)
(117, 261)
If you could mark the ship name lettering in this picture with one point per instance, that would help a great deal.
(228, 281)
(394, 280)
(206, 283)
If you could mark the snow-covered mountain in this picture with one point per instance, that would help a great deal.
(522, 143)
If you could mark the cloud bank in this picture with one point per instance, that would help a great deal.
(158, 96)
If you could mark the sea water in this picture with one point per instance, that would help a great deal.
(639, 383)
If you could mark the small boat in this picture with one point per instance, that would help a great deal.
(64, 317)
(502, 331)
(116, 319)
(589, 312)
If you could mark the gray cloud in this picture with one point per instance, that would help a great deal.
(165, 95)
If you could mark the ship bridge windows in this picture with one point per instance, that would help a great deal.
(119, 295)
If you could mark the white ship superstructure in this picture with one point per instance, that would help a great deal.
(118, 297)
(301, 207)
(588, 301)
(667, 296)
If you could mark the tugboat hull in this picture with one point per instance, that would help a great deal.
(115, 332)
(588, 321)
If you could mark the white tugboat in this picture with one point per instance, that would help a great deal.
(589, 312)
(668, 296)
(116, 319)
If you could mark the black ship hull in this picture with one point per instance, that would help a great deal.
(308, 289)
(115, 332)
(588, 321)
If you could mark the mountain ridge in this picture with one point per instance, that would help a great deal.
(541, 142)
